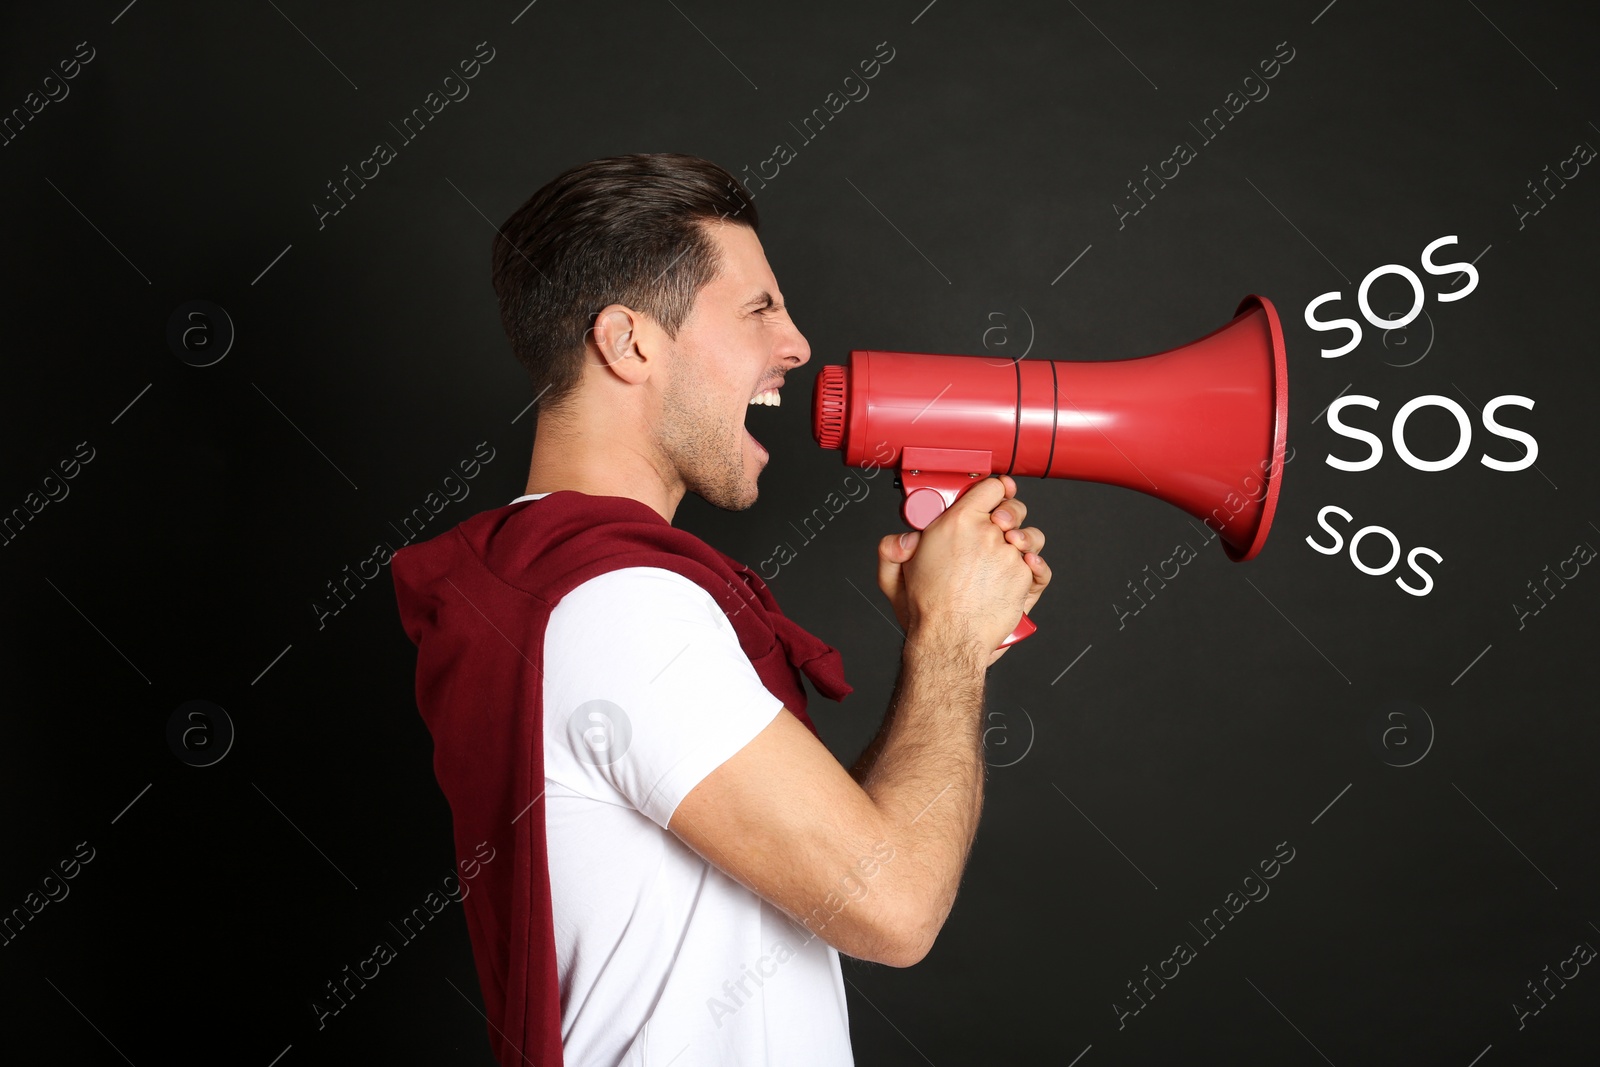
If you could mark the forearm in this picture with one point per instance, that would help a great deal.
(924, 772)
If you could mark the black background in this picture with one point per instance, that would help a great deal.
(1223, 719)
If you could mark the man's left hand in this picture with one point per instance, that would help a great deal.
(895, 549)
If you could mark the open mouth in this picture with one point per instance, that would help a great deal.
(764, 398)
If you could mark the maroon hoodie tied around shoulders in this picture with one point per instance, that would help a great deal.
(475, 601)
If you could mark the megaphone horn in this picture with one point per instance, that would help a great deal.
(1202, 426)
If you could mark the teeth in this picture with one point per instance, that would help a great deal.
(770, 398)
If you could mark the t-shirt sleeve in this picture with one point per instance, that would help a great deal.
(646, 690)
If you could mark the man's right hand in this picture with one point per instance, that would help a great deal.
(784, 819)
(972, 573)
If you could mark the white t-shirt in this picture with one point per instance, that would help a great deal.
(664, 959)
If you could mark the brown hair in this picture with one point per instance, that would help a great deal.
(623, 230)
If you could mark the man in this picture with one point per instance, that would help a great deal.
(621, 704)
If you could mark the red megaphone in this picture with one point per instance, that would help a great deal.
(1202, 426)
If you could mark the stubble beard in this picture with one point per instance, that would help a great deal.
(705, 447)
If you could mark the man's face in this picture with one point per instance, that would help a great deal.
(737, 342)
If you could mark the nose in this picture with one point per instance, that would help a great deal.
(794, 349)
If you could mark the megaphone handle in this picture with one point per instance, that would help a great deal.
(1024, 628)
(923, 504)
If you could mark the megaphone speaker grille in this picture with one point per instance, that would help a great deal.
(829, 402)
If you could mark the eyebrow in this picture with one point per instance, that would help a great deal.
(764, 299)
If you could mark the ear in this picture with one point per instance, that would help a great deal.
(619, 340)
